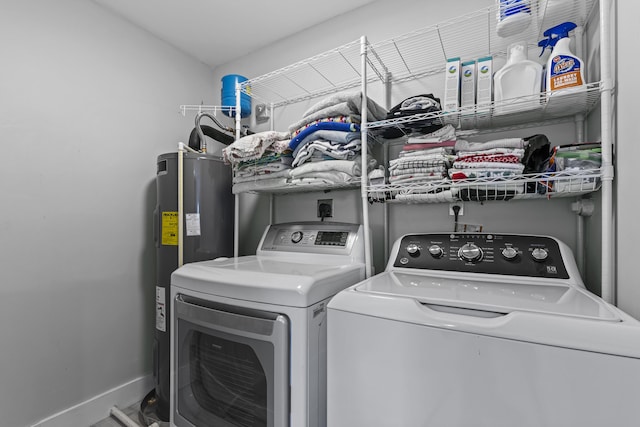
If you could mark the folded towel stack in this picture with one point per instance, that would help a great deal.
(424, 159)
(264, 155)
(329, 134)
(493, 159)
(323, 148)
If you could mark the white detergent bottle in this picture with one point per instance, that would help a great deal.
(517, 84)
(564, 71)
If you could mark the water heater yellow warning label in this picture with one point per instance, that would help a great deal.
(170, 228)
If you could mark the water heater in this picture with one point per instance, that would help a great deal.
(207, 234)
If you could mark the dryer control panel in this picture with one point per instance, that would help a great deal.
(508, 254)
(312, 237)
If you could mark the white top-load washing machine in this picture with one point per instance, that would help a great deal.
(473, 330)
(249, 333)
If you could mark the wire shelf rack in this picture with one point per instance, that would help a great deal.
(527, 186)
(511, 113)
(425, 51)
(292, 186)
(215, 109)
(328, 72)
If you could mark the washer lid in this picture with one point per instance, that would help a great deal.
(492, 296)
(268, 279)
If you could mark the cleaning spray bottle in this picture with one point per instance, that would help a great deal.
(563, 69)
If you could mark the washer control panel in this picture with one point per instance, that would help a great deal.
(508, 254)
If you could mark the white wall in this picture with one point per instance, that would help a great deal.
(87, 102)
(379, 21)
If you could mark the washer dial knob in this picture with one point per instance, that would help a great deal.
(413, 249)
(539, 254)
(509, 253)
(470, 252)
(296, 236)
(436, 251)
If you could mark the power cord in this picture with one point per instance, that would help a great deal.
(325, 211)
(456, 212)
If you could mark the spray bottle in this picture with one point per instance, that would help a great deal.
(564, 69)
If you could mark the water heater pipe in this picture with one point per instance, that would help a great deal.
(181, 151)
(215, 134)
(182, 147)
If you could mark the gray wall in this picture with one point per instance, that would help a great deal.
(87, 102)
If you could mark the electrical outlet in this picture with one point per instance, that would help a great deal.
(459, 204)
(261, 113)
(325, 208)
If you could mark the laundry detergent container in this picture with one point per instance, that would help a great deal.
(229, 95)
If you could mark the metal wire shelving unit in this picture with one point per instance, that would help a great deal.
(526, 186)
(422, 54)
(329, 72)
(302, 186)
(515, 113)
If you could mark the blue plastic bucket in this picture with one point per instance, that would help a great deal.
(229, 95)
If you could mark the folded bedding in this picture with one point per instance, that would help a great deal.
(326, 179)
(418, 177)
(464, 145)
(354, 99)
(336, 119)
(344, 127)
(445, 133)
(260, 184)
(329, 176)
(329, 150)
(477, 173)
(333, 136)
(253, 146)
(346, 104)
(261, 169)
(285, 173)
(351, 167)
(488, 165)
(410, 171)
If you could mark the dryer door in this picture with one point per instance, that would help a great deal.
(232, 365)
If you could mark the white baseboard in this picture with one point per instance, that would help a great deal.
(93, 410)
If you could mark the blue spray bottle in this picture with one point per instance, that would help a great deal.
(564, 69)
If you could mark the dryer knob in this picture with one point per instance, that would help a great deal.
(539, 254)
(470, 253)
(436, 251)
(413, 249)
